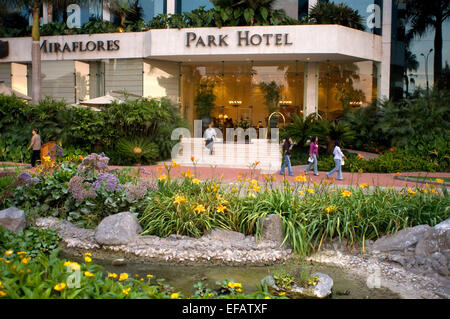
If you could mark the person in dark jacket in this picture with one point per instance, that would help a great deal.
(287, 148)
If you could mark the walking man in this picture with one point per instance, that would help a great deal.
(36, 145)
(210, 136)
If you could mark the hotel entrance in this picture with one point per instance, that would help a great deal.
(242, 94)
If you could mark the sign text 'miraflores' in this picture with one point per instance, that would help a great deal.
(244, 38)
(80, 46)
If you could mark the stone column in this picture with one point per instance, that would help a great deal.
(386, 39)
(311, 90)
(171, 6)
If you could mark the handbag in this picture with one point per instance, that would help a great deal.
(342, 162)
(310, 159)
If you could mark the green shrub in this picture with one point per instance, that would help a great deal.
(136, 150)
(32, 241)
(389, 162)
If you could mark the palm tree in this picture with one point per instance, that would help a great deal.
(264, 7)
(331, 13)
(427, 15)
(125, 10)
(35, 7)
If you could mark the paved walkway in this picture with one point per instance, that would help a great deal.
(231, 175)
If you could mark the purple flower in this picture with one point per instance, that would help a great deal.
(55, 151)
(80, 190)
(110, 182)
(94, 162)
(24, 176)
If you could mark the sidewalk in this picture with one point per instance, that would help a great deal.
(231, 175)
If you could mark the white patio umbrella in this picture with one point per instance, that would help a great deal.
(101, 100)
(6, 90)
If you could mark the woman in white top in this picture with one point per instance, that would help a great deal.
(210, 136)
(338, 159)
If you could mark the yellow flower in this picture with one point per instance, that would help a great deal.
(433, 190)
(163, 177)
(80, 157)
(221, 208)
(123, 276)
(179, 199)
(439, 180)
(126, 291)
(311, 191)
(113, 275)
(196, 181)
(281, 293)
(239, 290)
(360, 156)
(188, 174)
(22, 253)
(331, 209)
(2, 293)
(72, 265)
(175, 164)
(87, 259)
(59, 286)
(398, 174)
(46, 158)
(267, 297)
(25, 260)
(346, 193)
(149, 276)
(9, 252)
(88, 274)
(410, 191)
(137, 150)
(363, 185)
(425, 190)
(300, 179)
(200, 209)
(234, 190)
(88, 254)
(256, 188)
(251, 195)
(301, 193)
(174, 295)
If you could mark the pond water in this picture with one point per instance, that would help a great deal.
(182, 278)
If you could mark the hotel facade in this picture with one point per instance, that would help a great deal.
(316, 68)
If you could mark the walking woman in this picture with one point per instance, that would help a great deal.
(313, 155)
(287, 147)
(36, 145)
(338, 159)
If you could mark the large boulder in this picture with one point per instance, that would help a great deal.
(12, 219)
(401, 240)
(118, 229)
(220, 235)
(321, 290)
(436, 239)
(272, 228)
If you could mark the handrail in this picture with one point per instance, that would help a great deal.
(268, 121)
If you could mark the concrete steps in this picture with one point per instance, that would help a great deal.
(235, 155)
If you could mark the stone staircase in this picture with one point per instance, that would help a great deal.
(232, 155)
